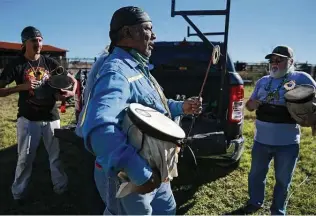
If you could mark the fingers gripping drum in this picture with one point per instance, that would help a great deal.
(157, 139)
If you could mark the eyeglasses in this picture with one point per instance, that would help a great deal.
(276, 61)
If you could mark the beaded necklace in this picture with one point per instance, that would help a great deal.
(274, 94)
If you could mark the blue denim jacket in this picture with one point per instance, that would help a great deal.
(119, 82)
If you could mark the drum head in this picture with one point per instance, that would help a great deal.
(300, 93)
(156, 120)
(60, 82)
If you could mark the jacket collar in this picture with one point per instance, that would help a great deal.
(127, 58)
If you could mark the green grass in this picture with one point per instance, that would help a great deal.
(228, 193)
(218, 193)
(8, 116)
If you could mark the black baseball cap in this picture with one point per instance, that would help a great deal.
(282, 51)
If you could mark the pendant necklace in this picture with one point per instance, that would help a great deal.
(36, 67)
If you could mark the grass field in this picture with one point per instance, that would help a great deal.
(218, 190)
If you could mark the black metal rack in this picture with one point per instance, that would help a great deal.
(185, 14)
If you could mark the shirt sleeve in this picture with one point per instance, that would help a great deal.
(175, 107)
(254, 94)
(8, 74)
(104, 113)
(308, 79)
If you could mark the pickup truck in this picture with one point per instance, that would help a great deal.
(180, 68)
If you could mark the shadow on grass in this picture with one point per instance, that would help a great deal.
(8, 119)
(191, 178)
(81, 198)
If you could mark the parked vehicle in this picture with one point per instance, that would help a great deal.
(180, 69)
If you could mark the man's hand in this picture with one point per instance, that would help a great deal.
(21, 87)
(192, 105)
(63, 95)
(252, 105)
(32, 84)
(67, 93)
(153, 183)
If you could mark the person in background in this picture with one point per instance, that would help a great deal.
(37, 113)
(277, 135)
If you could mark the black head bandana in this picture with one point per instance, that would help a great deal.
(29, 33)
(128, 16)
(125, 16)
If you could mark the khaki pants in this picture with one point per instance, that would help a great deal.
(29, 134)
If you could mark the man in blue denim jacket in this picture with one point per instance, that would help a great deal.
(123, 79)
(99, 176)
(277, 134)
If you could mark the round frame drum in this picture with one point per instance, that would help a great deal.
(60, 82)
(300, 94)
(154, 123)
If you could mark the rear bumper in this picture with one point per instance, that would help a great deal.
(213, 146)
(234, 151)
(216, 148)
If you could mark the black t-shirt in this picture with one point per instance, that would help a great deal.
(38, 104)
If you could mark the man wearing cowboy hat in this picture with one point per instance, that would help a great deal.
(277, 134)
(37, 114)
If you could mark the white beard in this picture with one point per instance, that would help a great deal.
(275, 72)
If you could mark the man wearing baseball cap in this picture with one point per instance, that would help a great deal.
(282, 51)
(277, 134)
(37, 113)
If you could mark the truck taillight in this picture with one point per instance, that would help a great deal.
(235, 109)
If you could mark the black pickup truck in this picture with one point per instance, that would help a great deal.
(180, 69)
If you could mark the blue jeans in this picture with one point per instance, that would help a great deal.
(159, 202)
(285, 158)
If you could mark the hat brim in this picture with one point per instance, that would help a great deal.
(275, 54)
